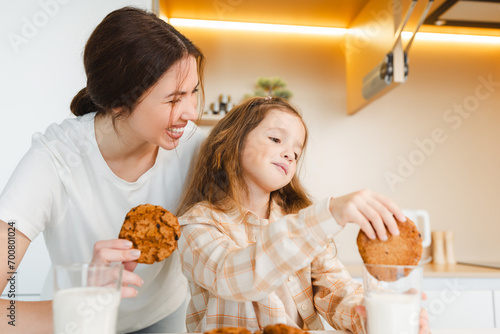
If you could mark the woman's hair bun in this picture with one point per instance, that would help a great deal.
(82, 103)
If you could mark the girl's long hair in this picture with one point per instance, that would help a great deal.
(217, 173)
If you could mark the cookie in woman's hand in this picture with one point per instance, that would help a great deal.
(153, 230)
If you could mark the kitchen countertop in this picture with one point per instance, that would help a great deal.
(466, 331)
(435, 271)
(434, 331)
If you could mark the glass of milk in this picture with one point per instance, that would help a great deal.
(86, 298)
(392, 298)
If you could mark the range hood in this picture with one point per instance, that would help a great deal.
(466, 13)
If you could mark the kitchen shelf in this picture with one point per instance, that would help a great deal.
(209, 119)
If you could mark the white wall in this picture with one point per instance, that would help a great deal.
(41, 69)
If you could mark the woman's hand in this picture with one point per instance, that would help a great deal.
(371, 211)
(119, 250)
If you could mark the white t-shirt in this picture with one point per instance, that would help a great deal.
(64, 188)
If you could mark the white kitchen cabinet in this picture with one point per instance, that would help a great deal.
(451, 305)
(459, 302)
(496, 297)
(460, 309)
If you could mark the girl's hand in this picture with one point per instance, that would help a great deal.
(119, 250)
(371, 211)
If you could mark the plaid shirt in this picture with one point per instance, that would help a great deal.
(235, 262)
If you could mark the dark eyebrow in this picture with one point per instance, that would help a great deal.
(181, 93)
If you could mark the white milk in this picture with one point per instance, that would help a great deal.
(392, 313)
(86, 310)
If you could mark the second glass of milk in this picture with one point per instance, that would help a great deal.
(392, 298)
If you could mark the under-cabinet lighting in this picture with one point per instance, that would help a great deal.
(428, 36)
(264, 27)
(257, 27)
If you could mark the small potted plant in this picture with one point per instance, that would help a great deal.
(272, 87)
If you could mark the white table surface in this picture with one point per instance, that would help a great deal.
(434, 331)
(466, 331)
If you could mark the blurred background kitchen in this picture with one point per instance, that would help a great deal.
(431, 143)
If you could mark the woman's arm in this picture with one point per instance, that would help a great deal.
(36, 317)
(19, 317)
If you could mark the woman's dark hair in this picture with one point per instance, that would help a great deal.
(218, 173)
(127, 54)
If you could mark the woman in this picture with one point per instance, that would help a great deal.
(81, 177)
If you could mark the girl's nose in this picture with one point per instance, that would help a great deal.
(288, 155)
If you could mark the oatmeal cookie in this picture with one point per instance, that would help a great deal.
(153, 230)
(404, 249)
(282, 329)
(229, 330)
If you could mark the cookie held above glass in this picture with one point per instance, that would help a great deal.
(404, 249)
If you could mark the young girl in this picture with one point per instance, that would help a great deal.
(254, 248)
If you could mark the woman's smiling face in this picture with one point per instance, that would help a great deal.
(270, 152)
(161, 116)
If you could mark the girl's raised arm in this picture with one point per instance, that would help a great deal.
(216, 256)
